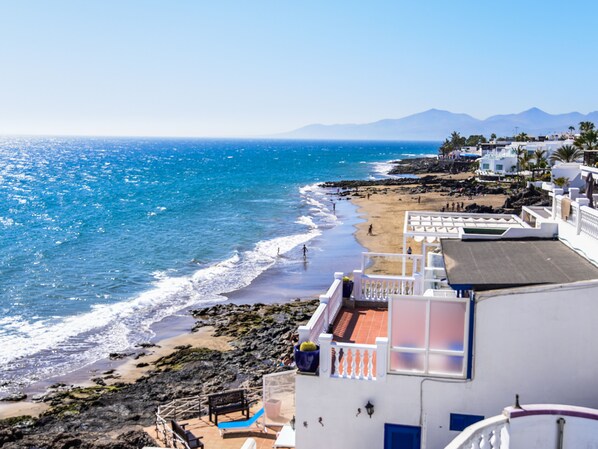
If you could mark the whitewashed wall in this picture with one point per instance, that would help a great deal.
(537, 342)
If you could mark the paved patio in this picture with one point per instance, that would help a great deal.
(360, 325)
(231, 439)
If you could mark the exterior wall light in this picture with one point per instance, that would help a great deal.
(369, 407)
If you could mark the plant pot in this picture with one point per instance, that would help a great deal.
(307, 361)
(347, 288)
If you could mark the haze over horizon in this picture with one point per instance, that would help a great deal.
(230, 69)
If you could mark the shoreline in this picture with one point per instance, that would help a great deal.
(384, 206)
(331, 251)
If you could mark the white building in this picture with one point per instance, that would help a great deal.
(503, 162)
(501, 306)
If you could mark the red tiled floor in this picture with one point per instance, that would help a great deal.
(360, 325)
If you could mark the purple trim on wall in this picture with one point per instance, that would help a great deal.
(575, 414)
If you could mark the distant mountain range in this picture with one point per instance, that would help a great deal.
(435, 124)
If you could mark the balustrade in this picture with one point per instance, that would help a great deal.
(353, 361)
(487, 434)
(589, 222)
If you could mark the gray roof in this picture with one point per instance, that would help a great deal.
(492, 264)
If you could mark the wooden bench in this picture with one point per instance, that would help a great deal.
(227, 402)
(186, 435)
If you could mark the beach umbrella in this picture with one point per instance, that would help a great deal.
(590, 189)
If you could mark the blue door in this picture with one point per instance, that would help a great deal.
(401, 437)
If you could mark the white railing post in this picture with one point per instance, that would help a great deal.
(381, 357)
(573, 193)
(304, 332)
(418, 284)
(555, 193)
(324, 300)
(325, 355)
(580, 202)
(357, 285)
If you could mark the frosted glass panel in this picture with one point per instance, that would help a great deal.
(408, 327)
(447, 321)
(403, 361)
(445, 364)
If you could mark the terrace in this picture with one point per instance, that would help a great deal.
(273, 411)
(403, 317)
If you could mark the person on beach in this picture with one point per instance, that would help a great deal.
(371, 229)
(333, 206)
(419, 199)
(304, 252)
(409, 250)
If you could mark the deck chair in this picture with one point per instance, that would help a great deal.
(239, 425)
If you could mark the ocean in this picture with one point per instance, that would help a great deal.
(101, 238)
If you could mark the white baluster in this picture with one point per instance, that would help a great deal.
(344, 362)
(353, 357)
(361, 371)
(370, 364)
(335, 360)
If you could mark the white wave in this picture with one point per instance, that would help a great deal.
(307, 221)
(50, 347)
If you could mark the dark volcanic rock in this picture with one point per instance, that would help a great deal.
(431, 165)
(111, 416)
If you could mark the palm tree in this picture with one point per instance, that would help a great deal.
(572, 129)
(493, 136)
(566, 153)
(445, 148)
(585, 126)
(457, 141)
(588, 142)
(540, 157)
(525, 161)
(520, 152)
(522, 137)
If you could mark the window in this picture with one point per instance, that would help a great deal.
(485, 166)
(459, 422)
(429, 335)
(499, 166)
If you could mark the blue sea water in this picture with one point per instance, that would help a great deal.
(101, 237)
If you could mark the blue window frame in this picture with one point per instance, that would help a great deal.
(459, 421)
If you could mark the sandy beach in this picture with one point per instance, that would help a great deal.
(385, 206)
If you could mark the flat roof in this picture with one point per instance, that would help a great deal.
(493, 264)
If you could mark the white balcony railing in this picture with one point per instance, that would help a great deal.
(379, 288)
(351, 360)
(589, 222)
(535, 426)
(325, 314)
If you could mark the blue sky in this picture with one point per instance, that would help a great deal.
(233, 68)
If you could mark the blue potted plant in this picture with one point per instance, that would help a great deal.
(347, 287)
(307, 357)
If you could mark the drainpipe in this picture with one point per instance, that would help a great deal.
(561, 423)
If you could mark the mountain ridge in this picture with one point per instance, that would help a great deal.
(437, 124)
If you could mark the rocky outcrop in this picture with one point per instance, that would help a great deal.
(111, 416)
(431, 165)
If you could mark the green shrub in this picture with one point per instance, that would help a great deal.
(308, 346)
